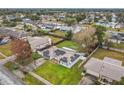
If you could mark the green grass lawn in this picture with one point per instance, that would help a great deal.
(1, 57)
(69, 44)
(118, 46)
(59, 33)
(5, 49)
(58, 74)
(101, 53)
(30, 80)
(54, 39)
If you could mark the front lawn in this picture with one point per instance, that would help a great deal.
(101, 53)
(69, 44)
(30, 80)
(6, 49)
(58, 74)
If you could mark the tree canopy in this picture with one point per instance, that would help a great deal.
(21, 49)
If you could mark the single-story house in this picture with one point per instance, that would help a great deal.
(74, 29)
(38, 42)
(107, 70)
(15, 34)
(117, 37)
(49, 26)
(62, 56)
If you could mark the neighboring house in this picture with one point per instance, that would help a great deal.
(30, 22)
(74, 29)
(107, 70)
(120, 25)
(15, 34)
(107, 24)
(49, 26)
(10, 17)
(38, 42)
(63, 56)
(66, 28)
(117, 37)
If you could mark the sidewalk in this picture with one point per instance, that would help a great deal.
(40, 78)
(7, 59)
(3, 55)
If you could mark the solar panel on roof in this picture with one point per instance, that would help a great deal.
(74, 57)
(59, 52)
(64, 59)
(46, 54)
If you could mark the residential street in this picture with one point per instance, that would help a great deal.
(7, 78)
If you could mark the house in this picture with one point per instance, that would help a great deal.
(107, 70)
(62, 56)
(49, 26)
(117, 37)
(38, 42)
(74, 29)
(11, 33)
(119, 25)
(10, 17)
(66, 28)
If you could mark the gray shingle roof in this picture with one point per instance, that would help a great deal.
(104, 68)
(4, 31)
(112, 61)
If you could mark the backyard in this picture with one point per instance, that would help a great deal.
(101, 53)
(54, 39)
(5, 49)
(116, 45)
(69, 44)
(59, 33)
(58, 74)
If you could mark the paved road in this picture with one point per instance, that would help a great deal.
(8, 78)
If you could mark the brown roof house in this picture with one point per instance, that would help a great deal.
(107, 70)
(38, 42)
